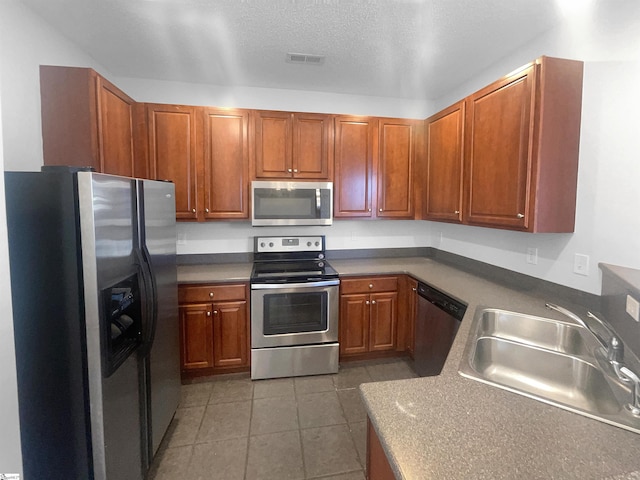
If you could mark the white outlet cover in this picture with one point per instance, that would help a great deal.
(581, 264)
(532, 255)
(633, 308)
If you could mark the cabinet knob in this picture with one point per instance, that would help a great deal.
(289, 170)
(206, 210)
(215, 312)
(369, 209)
(193, 210)
(367, 302)
(520, 215)
(457, 212)
(208, 314)
(210, 294)
(380, 210)
(373, 302)
(371, 285)
(414, 289)
(295, 170)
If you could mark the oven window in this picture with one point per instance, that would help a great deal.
(285, 204)
(295, 312)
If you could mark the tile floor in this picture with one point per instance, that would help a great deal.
(282, 429)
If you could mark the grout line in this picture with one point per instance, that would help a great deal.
(246, 456)
(295, 397)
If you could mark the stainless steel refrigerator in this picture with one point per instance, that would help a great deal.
(93, 284)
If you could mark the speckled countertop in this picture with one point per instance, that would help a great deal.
(450, 427)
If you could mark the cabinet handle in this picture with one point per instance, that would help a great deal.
(208, 314)
(457, 212)
(210, 294)
(373, 302)
(193, 210)
(520, 215)
(206, 210)
(371, 285)
(414, 289)
(367, 302)
(289, 170)
(295, 170)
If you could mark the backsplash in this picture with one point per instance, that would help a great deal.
(617, 283)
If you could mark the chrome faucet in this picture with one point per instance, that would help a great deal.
(614, 348)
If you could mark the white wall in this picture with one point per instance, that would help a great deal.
(27, 42)
(607, 39)
(10, 451)
(145, 90)
(215, 237)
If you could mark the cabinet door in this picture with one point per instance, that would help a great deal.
(444, 162)
(354, 324)
(395, 169)
(384, 316)
(172, 153)
(499, 153)
(196, 336)
(226, 164)
(273, 141)
(312, 142)
(115, 127)
(356, 144)
(412, 310)
(230, 334)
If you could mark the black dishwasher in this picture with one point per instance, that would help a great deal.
(437, 321)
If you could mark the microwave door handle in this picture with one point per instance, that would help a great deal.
(318, 203)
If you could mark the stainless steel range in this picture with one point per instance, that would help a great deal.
(294, 308)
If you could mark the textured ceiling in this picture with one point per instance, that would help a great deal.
(392, 48)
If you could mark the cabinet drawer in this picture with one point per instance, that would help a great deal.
(211, 293)
(369, 284)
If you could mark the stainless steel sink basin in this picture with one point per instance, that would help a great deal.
(548, 360)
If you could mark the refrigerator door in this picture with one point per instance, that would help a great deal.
(158, 238)
(109, 241)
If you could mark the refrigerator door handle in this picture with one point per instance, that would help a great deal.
(150, 300)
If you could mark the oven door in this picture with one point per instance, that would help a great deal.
(286, 314)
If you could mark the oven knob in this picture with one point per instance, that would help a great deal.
(321, 264)
(271, 244)
(308, 244)
(317, 244)
(262, 244)
(321, 256)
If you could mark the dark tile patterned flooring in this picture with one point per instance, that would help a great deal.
(282, 429)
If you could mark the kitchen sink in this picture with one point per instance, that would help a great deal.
(552, 361)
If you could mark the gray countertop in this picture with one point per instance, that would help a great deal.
(450, 427)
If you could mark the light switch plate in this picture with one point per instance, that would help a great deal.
(581, 264)
(633, 308)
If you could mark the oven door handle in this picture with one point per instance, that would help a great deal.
(276, 286)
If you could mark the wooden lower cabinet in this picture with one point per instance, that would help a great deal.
(368, 316)
(378, 467)
(214, 329)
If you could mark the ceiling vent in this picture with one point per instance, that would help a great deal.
(305, 58)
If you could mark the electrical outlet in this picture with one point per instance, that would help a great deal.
(532, 255)
(633, 308)
(581, 264)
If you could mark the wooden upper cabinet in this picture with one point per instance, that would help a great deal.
(356, 147)
(292, 145)
(396, 168)
(226, 164)
(173, 153)
(522, 141)
(87, 121)
(444, 164)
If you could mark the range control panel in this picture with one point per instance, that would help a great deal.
(289, 244)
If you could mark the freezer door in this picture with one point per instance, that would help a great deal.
(108, 228)
(158, 235)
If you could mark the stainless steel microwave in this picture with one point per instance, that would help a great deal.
(291, 203)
